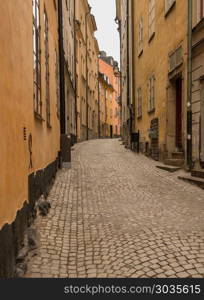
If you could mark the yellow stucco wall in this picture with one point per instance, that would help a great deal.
(17, 110)
(86, 24)
(170, 32)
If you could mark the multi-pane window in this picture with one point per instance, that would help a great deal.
(139, 102)
(37, 57)
(140, 31)
(47, 67)
(168, 5)
(57, 82)
(200, 9)
(151, 93)
(152, 12)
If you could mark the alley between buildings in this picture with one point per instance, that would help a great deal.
(114, 214)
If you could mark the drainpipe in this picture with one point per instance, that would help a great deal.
(87, 105)
(189, 104)
(75, 81)
(61, 68)
(99, 117)
(128, 69)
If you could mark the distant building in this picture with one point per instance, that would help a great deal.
(67, 68)
(87, 52)
(109, 96)
(124, 17)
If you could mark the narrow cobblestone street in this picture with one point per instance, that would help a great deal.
(114, 214)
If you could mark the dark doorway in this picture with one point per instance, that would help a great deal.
(179, 114)
(111, 131)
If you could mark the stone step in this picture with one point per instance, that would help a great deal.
(174, 162)
(178, 155)
(193, 180)
(167, 168)
(197, 173)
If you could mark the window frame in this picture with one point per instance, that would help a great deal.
(200, 10)
(37, 88)
(168, 5)
(140, 35)
(47, 68)
(139, 102)
(151, 19)
(151, 94)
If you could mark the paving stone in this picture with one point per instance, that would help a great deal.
(114, 214)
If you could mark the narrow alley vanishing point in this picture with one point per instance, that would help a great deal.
(114, 214)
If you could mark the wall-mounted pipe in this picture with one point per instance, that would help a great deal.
(189, 81)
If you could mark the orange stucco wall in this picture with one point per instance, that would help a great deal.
(16, 90)
(112, 104)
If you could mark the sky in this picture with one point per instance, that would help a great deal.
(107, 34)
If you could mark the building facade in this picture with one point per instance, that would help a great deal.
(155, 86)
(124, 18)
(109, 96)
(68, 68)
(29, 118)
(87, 51)
(197, 96)
(161, 88)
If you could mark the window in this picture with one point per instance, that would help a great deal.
(168, 5)
(36, 58)
(47, 74)
(140, 31)
(55, 3)
(151, 93)
(175, 59)
(139, 102)
(57, 82)
(152, 11)
(200, 9)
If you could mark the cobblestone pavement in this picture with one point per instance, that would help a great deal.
(114, 214)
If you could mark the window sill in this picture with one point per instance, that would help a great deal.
(139, 117)
(151, 37)
(38, 117)
(169, 9)
(151, 111)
